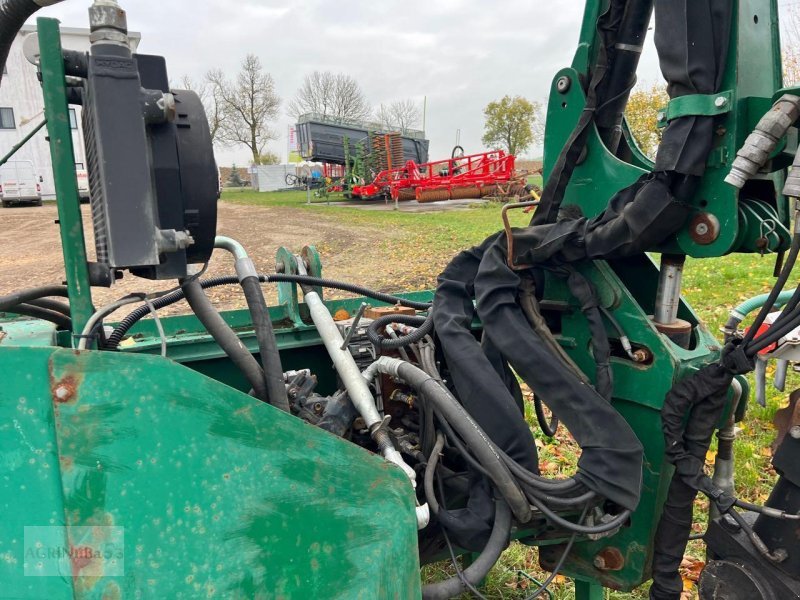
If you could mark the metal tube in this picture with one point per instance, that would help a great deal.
(668, 295)
(724, 463)
(354, 382)
(22, 142)
(781, 368)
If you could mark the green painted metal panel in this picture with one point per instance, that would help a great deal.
(30, 482)
(627, 288)
(751, 87)
(219, 495)
(23, 331)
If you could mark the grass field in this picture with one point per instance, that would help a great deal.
(427, 241)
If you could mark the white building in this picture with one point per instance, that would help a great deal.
(22, 106)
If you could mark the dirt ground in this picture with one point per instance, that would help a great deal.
(30, 250)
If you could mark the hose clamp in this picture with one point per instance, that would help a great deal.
(245, 268)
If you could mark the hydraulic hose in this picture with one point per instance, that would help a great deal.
(13, 14)
(739, 314)
(773, 334)
(267, 344)
(549, 428)
(54, 305)
(45, 309)
(262, 323)
(62, 322)
(475, 439)
(347, 287)
(178, 295)
(430, 469)
(6, 302)
(750, 305)
(167, 300)
(424, 327)
(473, 574)
(225, 337)
(776, 290)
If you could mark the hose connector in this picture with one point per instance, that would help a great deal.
(242, 262)
(761, 143)
(108, 24)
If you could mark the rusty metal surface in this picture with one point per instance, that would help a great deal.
(510, 233)
(786, 418)
(376, 312)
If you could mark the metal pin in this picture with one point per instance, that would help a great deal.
(354, 326)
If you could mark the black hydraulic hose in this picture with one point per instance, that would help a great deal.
(480, 567)
(13, 14)
(789, 307)
(776, 290)
(430, 469)
(548, 428)
(424, 327)
(267, 344)
(584, 291)
(559, 502)
(6, 302)
(347, 287)
(460, 447)
(611, 525)
(475, 439)
(169, 299)
(63, 322)
(54, 305)
(225, 337)
(550, 486)
(773, 334)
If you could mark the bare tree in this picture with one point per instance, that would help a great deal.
(246, 106)
(206, 89)
(334, 95)
(400, 115)
(214, 80)
(790, 39)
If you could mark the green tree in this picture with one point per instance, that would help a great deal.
(642, 111)
(235, 179)
(511, 124)
(267, 158)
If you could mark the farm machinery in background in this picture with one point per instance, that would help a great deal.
(457, 178)
(327, 448)
(383, 173)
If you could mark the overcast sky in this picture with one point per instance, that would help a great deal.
(461, 54)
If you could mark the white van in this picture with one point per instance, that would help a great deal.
(83, 182)
(20, 184)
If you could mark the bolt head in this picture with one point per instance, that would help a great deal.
(563, 84)
(701, 229)
(720, 101)
(599, 562)
(795, 432)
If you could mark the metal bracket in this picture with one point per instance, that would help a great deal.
(696, 105)
(287, 292)
(509, 233)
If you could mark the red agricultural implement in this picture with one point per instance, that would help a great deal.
(461, 177)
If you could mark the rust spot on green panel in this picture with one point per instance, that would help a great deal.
(64, 389)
